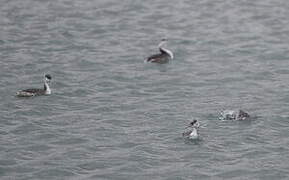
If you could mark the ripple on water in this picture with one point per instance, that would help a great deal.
(111, 116)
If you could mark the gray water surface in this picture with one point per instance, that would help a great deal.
(110, 116)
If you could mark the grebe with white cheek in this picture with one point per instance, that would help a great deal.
(37, 92)
(164, 56)
(192, 132)
(239, 115)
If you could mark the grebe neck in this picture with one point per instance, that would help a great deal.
(170, 53)
(47, 88)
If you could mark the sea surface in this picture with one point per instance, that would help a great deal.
(113, 117)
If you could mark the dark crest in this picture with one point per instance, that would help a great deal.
(48, 76)
(193, 122)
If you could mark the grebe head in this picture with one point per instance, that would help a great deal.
(194, 124)
(47, 78)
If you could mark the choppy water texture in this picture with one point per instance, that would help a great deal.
(113, 117)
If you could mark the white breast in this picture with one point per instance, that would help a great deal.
(48, 90)
(170, 53)
(194, 134)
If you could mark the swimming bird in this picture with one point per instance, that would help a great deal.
(163, 57)
(192, 133)
(36, 92)
(234, 115)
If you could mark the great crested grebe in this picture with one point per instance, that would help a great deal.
(37, 92)
(192, 133)
(163, 57)
(234, 115)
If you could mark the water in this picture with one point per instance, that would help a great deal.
(110, 116)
